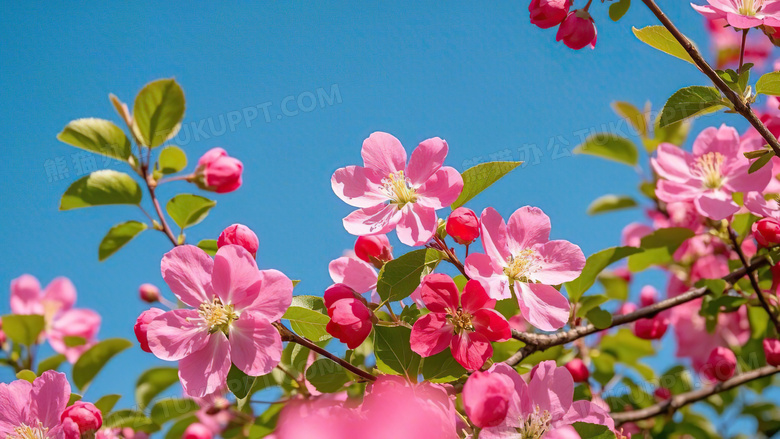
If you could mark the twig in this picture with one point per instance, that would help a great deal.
(751, 275)
(450, 256)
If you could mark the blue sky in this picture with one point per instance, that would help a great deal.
(483, 78)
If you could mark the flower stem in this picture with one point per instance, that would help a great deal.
(742, 50)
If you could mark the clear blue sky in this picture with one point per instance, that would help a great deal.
(481, 77)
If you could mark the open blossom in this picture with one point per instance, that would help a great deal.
(32, 410)
(234, 305)
(520, 254)
(350, 318)
(466, 324)
(392, 194)
(709, 176)
(742, 14)
(544, 407)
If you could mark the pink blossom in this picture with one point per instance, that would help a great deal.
(141, 326)
(463, 225)
(742, 14)
(578, 30)
(218, 172)
(350, 318)
(521, 257)
(392, 194)
(374, 249)
(548, 13)
(239, 234)
(354, 273)
(720, 365)
(486, 398)
(710, 175)
(466, 324)
(234, 305)
(84, 415)
(33, 410)
(772, 351)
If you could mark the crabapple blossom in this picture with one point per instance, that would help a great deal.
(149, 293)
(32, 410)
(233, 307)
(772, 351)
(578, 370)
(218, 172)
(548, 13)
(486, 398)
(463, 225)
(742, 14)
(520, 257)
(350, 318)
(578, 30)
(374, 249)
(239, 234)
(720, 365)
(84, 416)
(142, 326)
(393, 194)
(467, 324)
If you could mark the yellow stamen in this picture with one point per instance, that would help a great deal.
(461, 320)
(521, 266)
(25, 431)
(708, 168)
(218, 317)
(399, 189)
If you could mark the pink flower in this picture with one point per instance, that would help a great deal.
(578, 370)
(467, 324)
(239, 234)
(578, 30)
(235, 305)
(651, 328)
(767, 231)
(354, 273)
(142, 327)
(633, 233)
(394, 195)
(197, 431)
(149, 293)
(727, 42)
(486, 398)
(350, 318)
(709, 176)
(217, 172)
(772, 351)
(84, 415)
(33, 410)
(542, 408)
(82, 324)
(463, 225)
(548, 13)
(720, 365)
(742, 14)
(374, 249)
(521, 256)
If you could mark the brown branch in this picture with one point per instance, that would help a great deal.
(752, 276)
(740, 106)
(676, 402)
(540, 342)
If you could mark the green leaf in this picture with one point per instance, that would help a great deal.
(593, 431)
(73, 341)
(23, 329)
(210, 246)
(588, 303)
(626, 347)
(658, 37)
(172, 408)
(629, 112)
(26, 375)
(393, 353)
(97, 135)
(609, 203)
(676, 134)
(130, 419)
(238, 382)
(308, 317)
(600, 318)
(177, 429)
(618, 9)
(50, 363)
(101, 188)
(478, 178)
(152, 382)
(401, 276)
(172, 160)
(442, 368)
(106, 403)
(659, 247)
(158, 111)
(326, 376)
(188, 209)
(610, 147)
(594, 265)
(615, 287)
(73, 398)
(760, 163)
(690, 101)
(769, 84)
(93, 360)
(118, 236)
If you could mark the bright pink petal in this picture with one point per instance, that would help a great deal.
(255, 345)
(431, 334)
(486, 398)
(426, 159)
(353, 185)
(177, 334)
(60, 293)
(520, 405)
(494, 235)
(187, 271)
(49, 397)
(475, 297)
(417, 224)
(757, 205)
(561, 261)
(384, 154)
(739, 180)
(716, 206)
(552, 389)
(724, 140)
(542, 305)
(372, 220)
(527, 227)
(483, 267)
(356, 274)
(274, 295)
(471, 349)
(439, 293)
(26, 295)
(235, 278)
(671, 191)
(708, 11)
(205, 371)
(586, 411)
(441, 189)
(562, 432)
(14, 405)
(491, 324)
(673, 163)
(742, 21)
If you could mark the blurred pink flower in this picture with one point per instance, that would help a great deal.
(727, 42)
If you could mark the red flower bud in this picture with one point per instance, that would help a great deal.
(772, 351)
(720, 365)
(578, 369)
(197, 431)
(651, 329)
(767, 231)
(548, 13)
(85, 415)
(350, 318)
(149, 293)
(463, 225)
(217, 172)
(662, 393)
(577, 30)
(374, 246)
(141, 326)
(648, 295)
(239, 234)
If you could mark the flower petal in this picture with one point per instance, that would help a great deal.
(83, 323)
(672, 163)
(586, 411)
(187, 271)
(353, 185)
(724, 140)
(671, 191)
(383, 153)
(15, 403)
(491, 324)
(527, 227)
(61, 292)
(561, 261)
(417, 224)
(486, 398)
(716, 206)
(494, 235)
(483, 267)
(235, 277)
(255, 345)
(426, 159)
(354, 273)
(475, 297)
(552, 389)
(204, 371)
(374, 220)
(49, 398)
(441, 189)
(439, 293)
(740, 21)
(739, 180)
(431, 334)
(542, 305)
(26, 295)
(471, 349)
(177, 334)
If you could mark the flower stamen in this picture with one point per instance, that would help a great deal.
(521, 266)
(708, 168)
(25, 431)
(399, 190)
(218, 317)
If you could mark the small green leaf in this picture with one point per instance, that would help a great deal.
(478, 178)
(690, 101)
(600, 318)
(130, 419)
(238, 382)
(760, 163)
(93, 360)
(101, 188)
(73, 398)
(594, 265)
(158, 111)
(615, 287)
(658, 37)
(401, 276)
(26, 375)
(769, 84)
(442, 368)
(172, 160)
(629, 112)
(326, 376)
(210, 246)
(588, 303)
(618, 9)
(73, 341)
(118, 236)
(676, 134)
(609, 203)
(188, 209)
(593, 431)
(50, 363)
(658, 247)
(23, 329)
(97, 135)
(626, 347)
(393, 353)
(152, 382)
(168, 409)
(106, 403)
(610, 147)
(308, 317)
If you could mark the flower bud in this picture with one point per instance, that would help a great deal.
(772, 351)
(767, 231)
(463, 225)
(623, 273)
(648, 295)
(548, 13)
(662, 393)
(374, 249)
(651, 329)
(217, 172)
(197, 431)
(85, 415)
(486, 398)
(239, 234)
(578, 369)
(141, 326)
(720, 365)
(577, 30)
(149, 293)
(350, 318)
